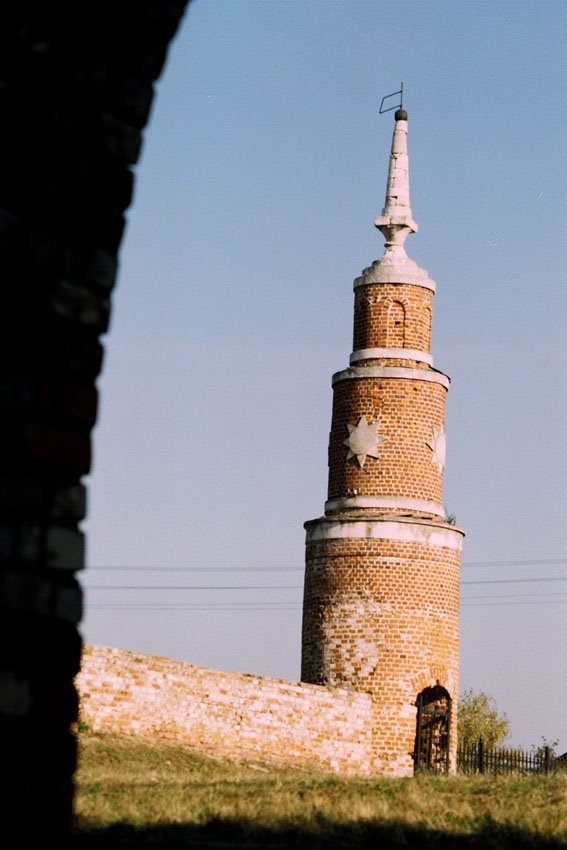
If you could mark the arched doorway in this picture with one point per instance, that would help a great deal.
(431, 753)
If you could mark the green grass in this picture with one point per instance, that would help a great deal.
(135, 792)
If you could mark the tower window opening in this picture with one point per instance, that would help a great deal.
(396, 325)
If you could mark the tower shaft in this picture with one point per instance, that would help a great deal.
(381, 599)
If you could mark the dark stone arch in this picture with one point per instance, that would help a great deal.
(76, 89)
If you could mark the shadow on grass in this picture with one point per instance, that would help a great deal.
(219, 835)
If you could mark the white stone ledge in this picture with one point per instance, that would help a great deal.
(397, 353)
(433, 376)
(348, 502)
(425, 532)
(396, 269)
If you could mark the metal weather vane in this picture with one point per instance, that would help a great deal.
(399, 105)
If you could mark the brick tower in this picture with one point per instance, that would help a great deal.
(381, 599)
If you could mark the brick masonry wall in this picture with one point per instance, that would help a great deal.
(392, 315)
(382, 616)
(232, 714)
(406, 412)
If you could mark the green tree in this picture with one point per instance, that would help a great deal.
(478, 717)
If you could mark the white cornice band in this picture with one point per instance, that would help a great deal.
(433, 376)
(348, 502)
(425, 532)
(397, 269)
(395, 353)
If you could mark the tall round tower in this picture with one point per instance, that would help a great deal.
(381, 599)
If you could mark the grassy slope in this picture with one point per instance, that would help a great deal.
(134, 792)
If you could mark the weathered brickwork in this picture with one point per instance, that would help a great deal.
(391, 315)
(381, 597)
(394, 361)
(231, 714)
(375, 612)
(405, 412)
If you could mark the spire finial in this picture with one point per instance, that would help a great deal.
(397, 106)
(396, 221)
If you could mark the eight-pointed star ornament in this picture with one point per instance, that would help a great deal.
(363, 439)
(438, 445)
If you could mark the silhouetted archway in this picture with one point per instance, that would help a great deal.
(76, 90)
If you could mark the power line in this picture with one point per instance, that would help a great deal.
(516, 595)
(204, 569)
(535, 561)
(485, 600)
(529, 602)
(515, 580)
(210, 607)
(228, 604)
(292, 586)
(195, 587)
(190, 607)
(465, 565)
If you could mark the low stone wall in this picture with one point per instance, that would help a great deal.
(233, 714)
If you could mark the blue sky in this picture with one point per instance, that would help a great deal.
(263, 167)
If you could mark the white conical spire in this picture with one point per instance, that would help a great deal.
(396, 221)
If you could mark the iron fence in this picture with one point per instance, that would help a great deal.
(477, 758)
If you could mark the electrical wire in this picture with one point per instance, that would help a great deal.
(264, 606)
(291, 586)
(465, 565)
